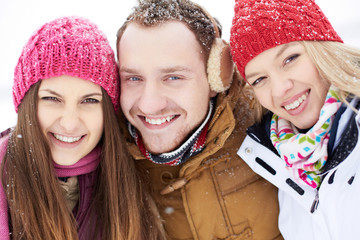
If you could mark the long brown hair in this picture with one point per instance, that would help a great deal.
(37, 207)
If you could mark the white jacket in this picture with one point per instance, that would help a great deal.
(337, 215)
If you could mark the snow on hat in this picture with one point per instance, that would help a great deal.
(67, 46)
(259, 25)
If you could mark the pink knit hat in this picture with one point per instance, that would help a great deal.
(67, 46)
(262, 24)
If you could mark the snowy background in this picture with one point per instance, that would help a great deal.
(20, 18)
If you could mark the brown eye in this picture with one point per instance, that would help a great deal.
(257, 81)
(291, 58)
(91, 100)
(48, 98)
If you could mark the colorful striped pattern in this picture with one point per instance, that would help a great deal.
(305, 154)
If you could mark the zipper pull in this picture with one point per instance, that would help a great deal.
(315, 203)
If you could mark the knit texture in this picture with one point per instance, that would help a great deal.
(259, 25)
(67, 46)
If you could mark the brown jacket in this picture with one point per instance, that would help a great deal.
(215, 195)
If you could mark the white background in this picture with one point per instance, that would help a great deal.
(20, 18)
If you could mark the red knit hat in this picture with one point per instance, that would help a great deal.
(67, 46)
(262, 24)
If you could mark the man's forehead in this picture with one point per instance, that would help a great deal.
(170, 35)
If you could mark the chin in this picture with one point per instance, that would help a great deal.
(163, 144)
(159, 147)
(305, 125)
(158, 150)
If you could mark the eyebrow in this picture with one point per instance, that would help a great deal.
(59, 95)
(251, 75)
(283, 48)
(50, 91)
(92, 94)
(162, 70)
(175, 69)
(278, 54)
(128, 70)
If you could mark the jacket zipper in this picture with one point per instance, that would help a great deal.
(315, 203)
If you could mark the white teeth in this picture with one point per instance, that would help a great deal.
(297, 102)
(159, 121)
(66, 139)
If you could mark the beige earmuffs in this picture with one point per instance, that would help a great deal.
(220, 67)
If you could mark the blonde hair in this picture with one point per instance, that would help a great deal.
(336, 62)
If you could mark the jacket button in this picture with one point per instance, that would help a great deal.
(166, 177)
(248, 150)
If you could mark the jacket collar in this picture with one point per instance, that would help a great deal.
(221, 126)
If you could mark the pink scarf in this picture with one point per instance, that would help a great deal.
(85, 165)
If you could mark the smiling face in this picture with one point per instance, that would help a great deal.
(164, 88)
(71, 117)
(286, 82)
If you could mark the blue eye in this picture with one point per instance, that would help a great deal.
(134, 79)
(174, 78)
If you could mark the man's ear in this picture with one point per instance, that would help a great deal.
(213, 93)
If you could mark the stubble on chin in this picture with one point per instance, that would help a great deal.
(157, 144)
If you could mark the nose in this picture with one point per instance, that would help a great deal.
(69, 120)
(152, 98)
(281, 84)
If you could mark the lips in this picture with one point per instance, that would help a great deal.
(159, 121)
(295, 104)
(66, 139)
